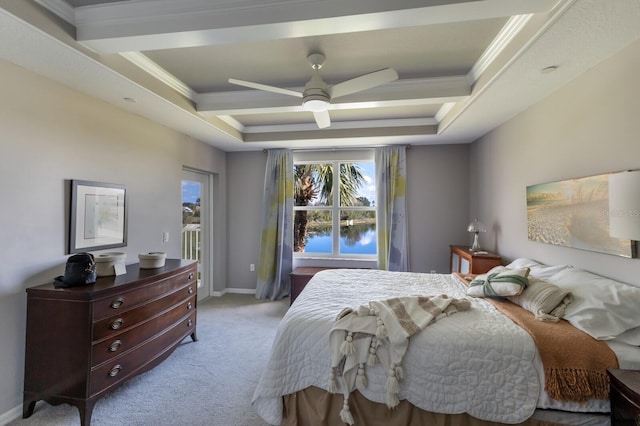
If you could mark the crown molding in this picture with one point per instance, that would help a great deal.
(61, 8)
(160, 73)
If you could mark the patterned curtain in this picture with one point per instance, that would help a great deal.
(276, 254)
(391, 182)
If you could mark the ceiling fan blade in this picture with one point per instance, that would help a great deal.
(363, 82)
(265, 87)
(322, 118)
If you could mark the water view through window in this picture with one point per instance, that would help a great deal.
(359, 239)
(324, 204)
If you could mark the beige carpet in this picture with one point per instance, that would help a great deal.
(209, 382)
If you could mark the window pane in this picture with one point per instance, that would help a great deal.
(357, 232)
(357, 184)
(312, 231)
(313, 184)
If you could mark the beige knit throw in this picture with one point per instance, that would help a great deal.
(380, 332)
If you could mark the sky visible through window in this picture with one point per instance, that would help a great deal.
(190, 191)
(368, 189)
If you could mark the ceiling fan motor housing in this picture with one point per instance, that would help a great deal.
(315, 100)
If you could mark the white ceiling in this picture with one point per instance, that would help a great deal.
(464, 66)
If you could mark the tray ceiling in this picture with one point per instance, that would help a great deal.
(464, 67)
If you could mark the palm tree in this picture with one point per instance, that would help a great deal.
(316, 181)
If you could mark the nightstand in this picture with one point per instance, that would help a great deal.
(624, 394)
(463, 260)
(300, 277)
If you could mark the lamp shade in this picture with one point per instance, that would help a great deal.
(624, 205)
(476, 226)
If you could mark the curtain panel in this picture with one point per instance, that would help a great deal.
(391, 183)
(276, 254)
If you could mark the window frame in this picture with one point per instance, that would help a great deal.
(335, 158)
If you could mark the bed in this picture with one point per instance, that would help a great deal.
(490, 373)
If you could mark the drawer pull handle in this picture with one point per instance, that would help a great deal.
(191, 276)
(115, 370)
(189, 323)
(115, 346)
(117, 324)
(189, 306)
(190, 290)
(115, 304)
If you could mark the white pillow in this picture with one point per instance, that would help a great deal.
(630, 337)
(499, 282)
(522, 262)
(537, 269)
(545, 300)
(602, 307)
(545, 272)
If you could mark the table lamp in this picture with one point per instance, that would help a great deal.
(476, 227)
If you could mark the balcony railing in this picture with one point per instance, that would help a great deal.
(191, 240)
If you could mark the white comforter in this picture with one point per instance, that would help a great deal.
(478, 361)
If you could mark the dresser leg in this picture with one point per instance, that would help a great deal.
(86, 410)
(194, 337)
(28, 405)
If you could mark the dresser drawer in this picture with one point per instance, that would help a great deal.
(128, 364)
(116, 324)
(127, 300)
(125, 341)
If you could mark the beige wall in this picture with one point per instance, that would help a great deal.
(589, 127)
(51, 134)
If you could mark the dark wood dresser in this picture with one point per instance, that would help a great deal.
(82, 342)
(624, 395)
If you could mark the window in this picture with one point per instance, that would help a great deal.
(334, 217)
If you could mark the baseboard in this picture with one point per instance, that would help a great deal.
(233, 290)
(241, 290)
(11, 415)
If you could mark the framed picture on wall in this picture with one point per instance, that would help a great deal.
(574, 213)
(98, 217)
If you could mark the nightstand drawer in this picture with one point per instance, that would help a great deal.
(625, 397)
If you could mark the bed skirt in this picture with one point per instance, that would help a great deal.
(316, 407)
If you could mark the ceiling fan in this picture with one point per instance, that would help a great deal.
(317, 94)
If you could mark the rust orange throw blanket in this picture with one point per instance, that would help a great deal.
(574, 363)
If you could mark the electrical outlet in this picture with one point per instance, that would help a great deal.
(252, 267)
(165, 237)
(433, 271)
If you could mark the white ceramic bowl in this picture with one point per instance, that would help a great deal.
(105, 263)
(152, 260)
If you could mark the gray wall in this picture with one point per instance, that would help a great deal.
(244, 210)
(438, 204)
(588, 127)
(51, 134)
(438, 208)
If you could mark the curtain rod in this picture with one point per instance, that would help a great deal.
(355, 148)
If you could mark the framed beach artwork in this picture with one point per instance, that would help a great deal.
(98, 218)
(574, 213)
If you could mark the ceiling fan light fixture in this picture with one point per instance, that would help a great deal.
(315, 100)
(315, 105)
